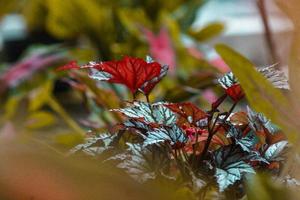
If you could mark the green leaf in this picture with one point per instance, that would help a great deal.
(68, 139)
(262, 96)
(207, 32)
(40, 119)
(263, 187)
(11, 106)
(40, 96)
(64, 115)
(133, 19)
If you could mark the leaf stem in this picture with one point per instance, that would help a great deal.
(71, 123)
(212, 132)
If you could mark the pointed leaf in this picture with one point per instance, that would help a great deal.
(135, 73)
(156, 113)
(275, 150)
(276, 77)
(40, 119)
(94, 145)
(245, 142)
(257, 121)
(173, 134)
(209, 31)
(230, 166)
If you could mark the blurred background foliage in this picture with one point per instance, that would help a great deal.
(87, 30)
(49, 110)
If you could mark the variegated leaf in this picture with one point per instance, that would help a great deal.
(135, 164)
(276, 77)
(99, 75)
(274, 150)
(228, 80)
(173, 134)
(230, 166)
(94, 145)
(257, 120)
(155, 113)
(232, 173)
(245, 142)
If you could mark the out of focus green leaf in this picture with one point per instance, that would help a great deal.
(262, 96)
(40, 96)
(261, 187)
(71, 123)
(11, 106)
(184, 193)
(133, 20)
(40, 119)
(69, 139)
(207, 32)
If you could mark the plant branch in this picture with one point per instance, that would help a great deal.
(212, 132)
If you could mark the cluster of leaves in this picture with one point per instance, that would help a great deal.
(180, 141)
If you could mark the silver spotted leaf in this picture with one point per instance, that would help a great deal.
(228, 80)
(99, 75)
(246, 142)
(230, 166)
(174, 135)
(274, 151)
(149, 113)
(276, 77)
(257, 121)
(94, 145)
(136, 163)
(232, 173)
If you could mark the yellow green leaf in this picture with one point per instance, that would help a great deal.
(40, 119)
(64, 115)
(208, 32)
(263, 187)
(40, 96)
(11, 106)
(184, 193)
(133, 20)
(262, 96)
(69, 139)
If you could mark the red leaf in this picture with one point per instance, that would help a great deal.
(135, 73)
(215, 139)
(188, 111)
(235, 92)
(70, 65)
(239, 118)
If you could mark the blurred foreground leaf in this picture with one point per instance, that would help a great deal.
(262, 96)
(40, 119)
(30, 171)
(262, 187)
